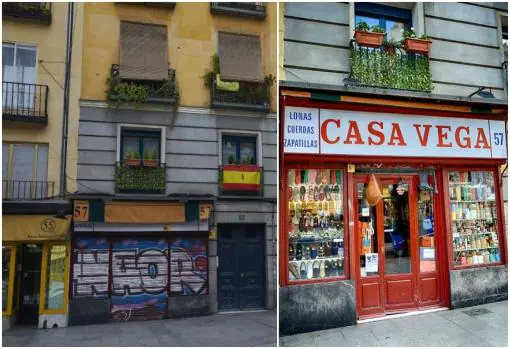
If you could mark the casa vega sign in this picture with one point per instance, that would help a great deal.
(325, 131)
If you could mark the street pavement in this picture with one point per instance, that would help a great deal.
(221, 330)
(449, 328)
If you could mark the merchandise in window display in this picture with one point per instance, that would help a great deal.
(316, 234)
(474, 218)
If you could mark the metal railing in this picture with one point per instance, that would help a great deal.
(384, 67)
(163, 92)
(250, 95)
(241, 192)
(33, 10)
(140, 179)
(24, 102)
(246, 9)
(27, 190)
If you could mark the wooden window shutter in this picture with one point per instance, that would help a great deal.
(240, 57)
(143, 51)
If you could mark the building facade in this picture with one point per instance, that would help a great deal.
(36, 216)
(175, 208)
(392, 160)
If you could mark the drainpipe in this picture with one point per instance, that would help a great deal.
(67, 87)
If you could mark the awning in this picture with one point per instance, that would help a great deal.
(240, 57)
(144, 212)
(34, 227)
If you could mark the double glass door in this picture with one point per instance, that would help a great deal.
(392, 264)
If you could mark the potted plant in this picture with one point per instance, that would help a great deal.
(150, 160)
(231, 160)
(390, 46)
(132, 159)
(365, 36)
(413, 44)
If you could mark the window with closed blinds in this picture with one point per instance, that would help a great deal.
(143, 51)
(240, 57)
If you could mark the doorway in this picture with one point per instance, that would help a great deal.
(241, 267)
(30, 282)
(395, 241)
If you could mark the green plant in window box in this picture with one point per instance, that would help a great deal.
(150, 159)
(413, 44)
(231, 160)
(368, 37)
(132, 159)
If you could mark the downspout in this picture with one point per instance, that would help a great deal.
(67, 87)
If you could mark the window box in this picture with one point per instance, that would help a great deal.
(39, 11)
(150, 163)
(421, 46)
(244, 9)
(368, 39)
(250, 96)
(133, 162)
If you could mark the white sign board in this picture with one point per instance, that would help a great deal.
(371, 262)
(381, 134)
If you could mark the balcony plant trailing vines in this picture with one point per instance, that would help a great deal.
(140, 179)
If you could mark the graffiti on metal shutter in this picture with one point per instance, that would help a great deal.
(90, 267)
(139, 279)
(188, 267)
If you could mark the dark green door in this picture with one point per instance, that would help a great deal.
(31, 260)
(241, 269)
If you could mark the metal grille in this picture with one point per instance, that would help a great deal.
(33, 10)
(27, 190)
(477, 311)
(24, 102)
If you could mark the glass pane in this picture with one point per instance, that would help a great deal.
(25, 56)
(23, 162)
(130, 148)
(248, 153)
(55, 277)
(316, 231)
(397, 235)
(6, 264)
(474, 218)
(367, 224)
(229, 152)
(5, 161)
(371, 21)
(394, 30)
(151, 148)
(426, 228)
(41, 188)
(7, 61)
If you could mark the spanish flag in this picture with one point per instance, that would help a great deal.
(241, 178)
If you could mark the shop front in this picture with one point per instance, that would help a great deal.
(387, 206)
(135, 260)
(35, 270)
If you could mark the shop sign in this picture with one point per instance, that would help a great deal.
(81, 211)
(205, 210)
(326, 131)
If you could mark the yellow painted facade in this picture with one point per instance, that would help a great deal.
(192, 40)
(50, 40)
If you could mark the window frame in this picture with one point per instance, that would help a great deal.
(499, 221)
(257, 135)
(284, 235)
(383, 13)
(35, 159)
(44, 272)
(10, 307)
(27, 45)
(138, 128)
(238, 140)
(141, 136)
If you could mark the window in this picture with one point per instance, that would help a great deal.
(474, 218)
(55, 277)
(18, 75)
(24, 172)
(240, 57)
(239, 150)
(139, 145)
(392, 19)
(316, 226)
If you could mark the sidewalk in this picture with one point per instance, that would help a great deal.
(444, 328)
(229, 330)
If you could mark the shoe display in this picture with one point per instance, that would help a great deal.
(294, 270)
(316, 269)
(303, 271)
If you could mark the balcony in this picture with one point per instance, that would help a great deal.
(27, 190)
(243, 9)
(382, 68)
(241, 180)
(250, 96)
(140, 179)
(142, 91)
(25, 102)
(39, 11)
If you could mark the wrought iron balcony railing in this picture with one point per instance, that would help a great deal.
(169, 5)
(389, 68)
(245, 9)
(27, 190)
(40, 11)
(250, 95)
(141, 91)
(241, 180)
(24, 102)
(140, 179)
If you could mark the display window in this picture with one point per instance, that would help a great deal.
(474, 218)
(316, 233)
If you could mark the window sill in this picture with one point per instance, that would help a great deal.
(316, 281)
(462, 267)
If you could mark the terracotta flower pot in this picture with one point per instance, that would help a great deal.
(417, 45)
(368, 39)
(133, 162)
(150, 163)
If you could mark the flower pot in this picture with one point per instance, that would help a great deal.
(368, 39)
(133, 162)
(150, 163)
(414, 45)
(391, 50)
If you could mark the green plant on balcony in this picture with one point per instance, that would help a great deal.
(145, 179)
